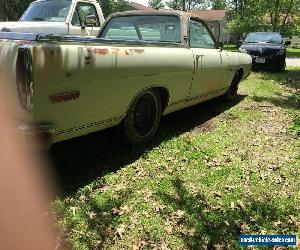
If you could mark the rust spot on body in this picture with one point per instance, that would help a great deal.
(64, 97)
(139, 51)
(22, 42)
(100, 51)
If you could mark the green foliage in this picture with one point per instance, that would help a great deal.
(13, 9)
(295, 129)
(218, 4)
(257, 15)
(110, 6)
(189, 4)
(156, 4)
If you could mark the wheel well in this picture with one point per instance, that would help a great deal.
(241, 73)
(164, 95)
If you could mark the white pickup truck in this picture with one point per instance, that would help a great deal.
(60, 17)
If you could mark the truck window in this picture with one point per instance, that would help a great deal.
(83, 10)
(51, 11)
(145, 28)
(200, 37)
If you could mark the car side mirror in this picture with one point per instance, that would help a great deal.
(287, 43)
(90, 21)
(240, 42)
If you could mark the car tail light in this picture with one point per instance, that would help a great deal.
(24, 78)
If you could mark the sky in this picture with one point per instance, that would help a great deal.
(143, 2)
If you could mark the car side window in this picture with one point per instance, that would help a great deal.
(200, 37)
(83, 10)
(76, 19)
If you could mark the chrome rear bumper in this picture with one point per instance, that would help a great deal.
(38, 136)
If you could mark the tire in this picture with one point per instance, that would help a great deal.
(143, 117)
(232, 92)
(280, 67)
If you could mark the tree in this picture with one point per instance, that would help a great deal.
(188, 4)
(218, 4)
(13, 9)
(112, 6)
(260, 15)
(156, 4)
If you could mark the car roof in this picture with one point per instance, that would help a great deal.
(184, 15)
(154, 12)
(264, 32)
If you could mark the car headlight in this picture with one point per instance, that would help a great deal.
(243, 51)
(280, 52)
(4, 29)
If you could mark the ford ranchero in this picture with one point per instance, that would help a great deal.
(142, 65)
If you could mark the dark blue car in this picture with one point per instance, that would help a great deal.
(267, 50)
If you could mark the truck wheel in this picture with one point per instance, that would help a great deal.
(143, 117)
(232, 92)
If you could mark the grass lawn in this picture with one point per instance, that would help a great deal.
(214, 171)
(231, 47)
(293, 52)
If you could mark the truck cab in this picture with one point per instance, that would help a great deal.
(59, 17)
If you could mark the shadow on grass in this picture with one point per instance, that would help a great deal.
(216, 226)
(80, 161)
(289, 78)
(290, 102)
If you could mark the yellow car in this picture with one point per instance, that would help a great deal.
(142, 65)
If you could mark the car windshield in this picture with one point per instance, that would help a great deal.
(48, 10)
(144, 28)
(263, 37)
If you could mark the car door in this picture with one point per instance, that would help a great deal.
(77, 26)
(211, 65)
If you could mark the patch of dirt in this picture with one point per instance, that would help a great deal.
(229, 117)
(208, 126)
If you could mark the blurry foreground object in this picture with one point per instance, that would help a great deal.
(24, 195)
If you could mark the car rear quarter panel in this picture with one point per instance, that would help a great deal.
(107, 78)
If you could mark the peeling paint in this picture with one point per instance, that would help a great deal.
(22, 42)
(99, 51)
(139, 51)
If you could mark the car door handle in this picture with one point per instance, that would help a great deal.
(197, 60)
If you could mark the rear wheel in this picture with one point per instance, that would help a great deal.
(143, 117)
(232, 92)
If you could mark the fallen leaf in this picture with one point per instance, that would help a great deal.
(179, 214)
(136, 245)
(121, 230)
(169, 229)
(191, 232)
(92, 215)
(232, 205)
(229, 187)
(74, 209)
(245, 228)
(146, 214)
(217, 194)
(115, 211)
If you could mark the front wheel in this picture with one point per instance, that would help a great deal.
(143, 117)
(232, 92)
(280, 67)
